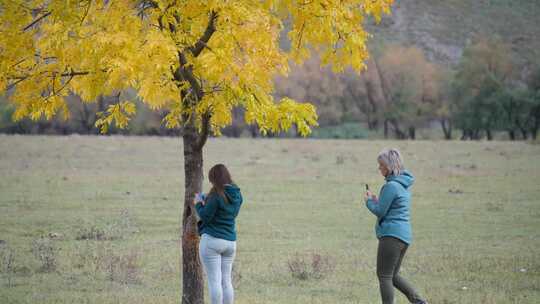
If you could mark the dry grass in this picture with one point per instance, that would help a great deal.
(475, 219)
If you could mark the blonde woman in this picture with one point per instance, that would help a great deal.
(393, 227)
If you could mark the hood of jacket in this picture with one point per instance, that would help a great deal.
(233, 194)
(406, 179)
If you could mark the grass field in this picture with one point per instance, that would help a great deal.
(96, 219)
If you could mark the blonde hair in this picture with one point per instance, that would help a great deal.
(391, 158)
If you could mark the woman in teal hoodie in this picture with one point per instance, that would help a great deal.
(393, 227)
(217, 248)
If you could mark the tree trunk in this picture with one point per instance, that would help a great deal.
(375, 95)
(476, 134)
(512, 135)
(397, 130)
(467, 134)
(536, 125)
(386, 129)
(524, 133)
(192, 277)
(489, 134)
(447, 129)
(412, 133)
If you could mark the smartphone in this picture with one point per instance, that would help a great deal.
(199, 197)
(367, 187)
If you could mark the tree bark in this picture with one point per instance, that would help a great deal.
(397, 130)
(192, 277)
(412, 133)
(475, 134)
(447, 128)
(536, 124)
(489, 134)
(375, 94)
(534, 129)
(522, 128)
(466, 134)
(512, 135)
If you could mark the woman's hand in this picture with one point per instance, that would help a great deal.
(199, 198)
(370, 195)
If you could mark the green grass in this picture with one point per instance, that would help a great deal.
(475, 216)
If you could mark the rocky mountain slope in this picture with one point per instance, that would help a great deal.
(442, 28)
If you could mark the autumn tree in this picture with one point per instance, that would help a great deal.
(443, 101)
(374, 102)
(328, 91)
(339, 98)
(195, 59)
(410, 84)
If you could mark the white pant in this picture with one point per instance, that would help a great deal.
(217, 256)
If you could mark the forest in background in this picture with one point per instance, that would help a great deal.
(469, 70)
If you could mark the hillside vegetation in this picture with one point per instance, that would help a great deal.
(442, 28)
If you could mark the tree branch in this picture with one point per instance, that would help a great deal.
(86, 12)
(205, 130)
(186, 73)
(146, 5)
(36, 21)
(65, 84)
(20, 79)
(67, 74)
(300, 38)
(197, 48)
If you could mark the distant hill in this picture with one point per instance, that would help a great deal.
(442, 28)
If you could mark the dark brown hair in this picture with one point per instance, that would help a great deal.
(219, 176)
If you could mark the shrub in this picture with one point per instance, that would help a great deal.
(91, 233)
(7, 262)
(310, 266)
(118, 228)
(122, 268)
(102, 260)
(236, 275)
(44, 250)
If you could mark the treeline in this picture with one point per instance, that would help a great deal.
(399, 92)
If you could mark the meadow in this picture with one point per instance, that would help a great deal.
(87, 219)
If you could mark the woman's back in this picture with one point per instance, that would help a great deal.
(218, 216)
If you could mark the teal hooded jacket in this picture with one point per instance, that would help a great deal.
(393, 207)
(217, 217)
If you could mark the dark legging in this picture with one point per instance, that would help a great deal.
(389, 256)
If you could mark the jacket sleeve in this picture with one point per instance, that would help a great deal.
(208, 210)
(386, 197)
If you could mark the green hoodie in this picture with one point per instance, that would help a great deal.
(217, 216)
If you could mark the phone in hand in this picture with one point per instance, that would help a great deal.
(199, 197)
(367, 187)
